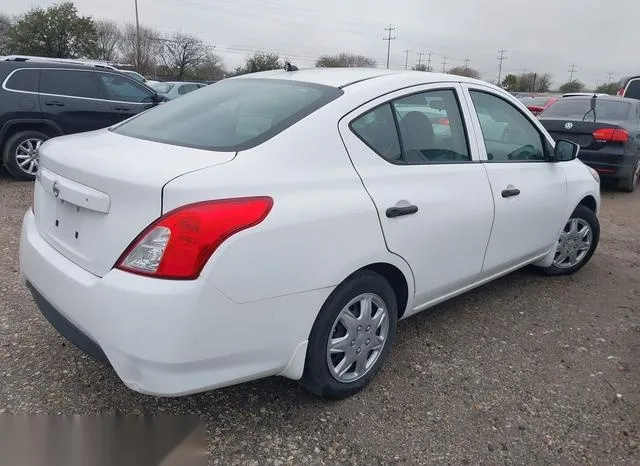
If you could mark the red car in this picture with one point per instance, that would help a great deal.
(538, 103)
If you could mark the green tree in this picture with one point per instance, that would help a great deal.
(610, 88)
(510, 82)
(55, 32)
(260, 61)
(345, 60)
(465, 71)
(572, 86)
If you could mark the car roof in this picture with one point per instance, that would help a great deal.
(343, 77)
(51, 64)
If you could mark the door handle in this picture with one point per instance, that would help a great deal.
(124, 109)
(393, 212)
(54, 103)
(510, 192)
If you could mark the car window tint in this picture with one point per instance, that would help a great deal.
(24, 80)
(508, 135)
(378, 130)
(580, 108)
(633, 89)
(74, 83)
(431, 128)
(124, 89)
(235, 114)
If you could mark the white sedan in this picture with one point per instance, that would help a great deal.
(281, 223)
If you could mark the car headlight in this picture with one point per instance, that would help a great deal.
(595, 174)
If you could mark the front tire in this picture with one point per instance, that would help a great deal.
(577, 243)
(20, 154)
(351, 337)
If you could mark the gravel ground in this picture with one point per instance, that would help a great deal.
(526, 370)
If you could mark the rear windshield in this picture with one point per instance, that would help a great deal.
(233, 115)
(534, 101)
(578, 108)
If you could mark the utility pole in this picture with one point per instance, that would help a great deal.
(420, 58)
(466, 63)
(138, 54)
(444, 64)
(388, 39)
(406, 59)
(572, 70)
(429, 61)
(610, 77)
(501, 58)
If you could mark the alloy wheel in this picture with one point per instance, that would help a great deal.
(27, 155)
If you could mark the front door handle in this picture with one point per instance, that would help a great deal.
(123, 109)
(510, 192)
(54, 103)
(393, 212)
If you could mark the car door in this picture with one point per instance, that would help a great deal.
(422, 172)
(529, 190)
(70, 98)
(126, 96)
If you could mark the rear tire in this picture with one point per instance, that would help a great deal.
(17, 150)
(343, 358)
(629, 184)
(571, 242)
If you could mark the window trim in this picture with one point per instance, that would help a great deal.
(547, 146)
(4, 85)
(10, 75)
(450, 86)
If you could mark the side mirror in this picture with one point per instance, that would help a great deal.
(565, 150)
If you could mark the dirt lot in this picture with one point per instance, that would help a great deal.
(527, 370)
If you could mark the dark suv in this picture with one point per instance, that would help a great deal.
(41, 100)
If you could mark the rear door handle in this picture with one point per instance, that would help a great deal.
(510, 192)
(123, 109)
(393, 212)
(54, 103)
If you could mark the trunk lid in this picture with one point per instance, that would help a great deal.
(95, 192)
(580, 132)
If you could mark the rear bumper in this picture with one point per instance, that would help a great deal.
(163, 337)
(609, 165)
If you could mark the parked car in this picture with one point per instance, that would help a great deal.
(173, 89)
(538, 103)
(607, 130)
(42, 99)
(630, 88)
(584, 94)
(281, 223)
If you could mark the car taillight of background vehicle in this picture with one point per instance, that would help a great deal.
(179, 244)
(610, 135)
(620, 92)
(443, 121)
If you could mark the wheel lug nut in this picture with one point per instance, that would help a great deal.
(358, 351)
(353, 343)
(368, 327)
(368, 341)
(359, 328)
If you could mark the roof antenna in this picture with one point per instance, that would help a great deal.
(289, 67)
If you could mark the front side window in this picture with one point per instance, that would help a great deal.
(73, 83)
(123, 89)
(233, 115)
(508, 135)
(24, 80)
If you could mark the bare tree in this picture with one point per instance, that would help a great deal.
(465, 71)
(534, 82)
(150, 47)
(183, 53)
(210, 69)
(109, 39)
(5, 25)
(346, 60)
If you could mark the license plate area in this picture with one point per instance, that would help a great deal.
(67, 222)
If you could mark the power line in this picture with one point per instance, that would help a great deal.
(444, 64)
(389, 39)
(572, 70)
(420, 59)
(610, 76)
(501, 58)
(138, 52)
(429, 61)
(466, 63)
(406, 59)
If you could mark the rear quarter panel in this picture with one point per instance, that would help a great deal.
(323, 225)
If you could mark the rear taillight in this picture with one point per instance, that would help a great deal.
(179, 244)
(620, 92)
(610, 135)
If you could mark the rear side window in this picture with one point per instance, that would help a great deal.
(24, 80)
(633, 89)
(122, 89)
(233, 115)
(377, 129)
(73, 83)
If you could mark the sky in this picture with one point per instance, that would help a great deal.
(597, 36)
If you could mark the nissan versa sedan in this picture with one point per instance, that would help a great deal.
(607, 130)
(281, 223)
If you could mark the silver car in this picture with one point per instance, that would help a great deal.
(174, 89)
